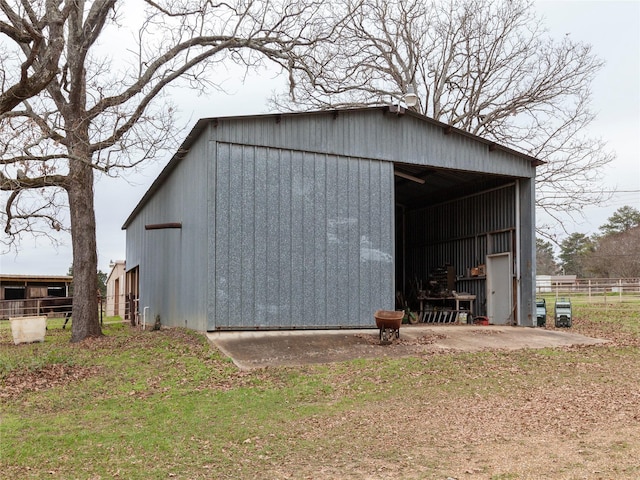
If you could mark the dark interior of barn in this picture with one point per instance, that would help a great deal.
(447, 222)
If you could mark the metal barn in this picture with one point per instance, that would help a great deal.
(316, 220)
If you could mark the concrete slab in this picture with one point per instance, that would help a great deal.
(257, 349)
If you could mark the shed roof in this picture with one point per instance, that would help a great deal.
(201, 124)
(24, 279)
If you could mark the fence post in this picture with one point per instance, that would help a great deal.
(620, 289)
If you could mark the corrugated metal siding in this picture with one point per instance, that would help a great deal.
(371, 134)
(527, 253)
(173, 262)
(461, 233)
(301, 239)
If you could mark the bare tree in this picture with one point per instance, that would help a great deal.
(617, 248)
(485, 66)
(40, 41)
(98, 116)
(616, 255)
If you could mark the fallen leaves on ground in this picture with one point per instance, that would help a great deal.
(19, 382)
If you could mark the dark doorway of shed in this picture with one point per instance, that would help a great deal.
(15, 293)
(116, 297)
(56, 292)
(132, 287)
(446, 224)
(413, 187)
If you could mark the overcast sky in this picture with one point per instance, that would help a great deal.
(613, 28)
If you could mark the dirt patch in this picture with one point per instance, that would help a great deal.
(429, 339)
(544, 433)
(19, 382)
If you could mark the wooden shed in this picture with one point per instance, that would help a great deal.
(20, 294)
(318, 219)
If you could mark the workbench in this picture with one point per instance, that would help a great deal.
(445, 316)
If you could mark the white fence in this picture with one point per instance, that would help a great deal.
(596, 289)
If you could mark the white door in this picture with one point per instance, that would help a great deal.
(499, 289)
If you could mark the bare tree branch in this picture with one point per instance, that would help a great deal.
(485, 66)
(42, 41)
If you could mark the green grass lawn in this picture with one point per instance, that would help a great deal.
(165, 404)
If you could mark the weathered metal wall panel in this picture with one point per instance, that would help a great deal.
(372, 134)
(461, 233)
(301, 239)
(527, 253)
(173, 262)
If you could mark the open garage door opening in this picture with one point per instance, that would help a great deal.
(448, 225)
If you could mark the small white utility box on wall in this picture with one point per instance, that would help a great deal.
(28, 329)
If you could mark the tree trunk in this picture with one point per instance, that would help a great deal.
(85, 317)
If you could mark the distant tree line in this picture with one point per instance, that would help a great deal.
(613, 252)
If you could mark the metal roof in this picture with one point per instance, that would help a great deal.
(35, 278)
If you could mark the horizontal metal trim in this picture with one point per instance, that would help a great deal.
(269, 328)
(161, 226)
